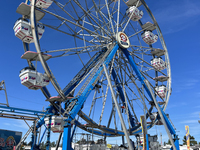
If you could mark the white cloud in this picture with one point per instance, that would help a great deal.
(178, 16)
(7, 124)
(189, 121)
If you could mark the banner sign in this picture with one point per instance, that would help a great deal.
(9, 139)
(187, 137)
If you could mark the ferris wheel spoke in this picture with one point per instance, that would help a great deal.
(74, 49)
(78, 53)
(62, 8)
(96, 28)
(143, 29)
(118, 12)
(71, 34)
(104, 103)
(93, 102)
(73, 23)
(74, 10)
(127, 23)
(98, 12)
(110, 18)
(90, 17)
(145, 47)
(114, 117)
(129, 115)
(148, 64)
(131, 107)
(75, 53)
(130, 75)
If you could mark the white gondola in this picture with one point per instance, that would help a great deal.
(57, 124)
(43, 3)
(149, 38)
(22, 29)
(40, 28)
(161, 91)
(134, 13)
(32, 79)
(158, 63)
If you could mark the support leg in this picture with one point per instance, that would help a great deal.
(48, 134)
(118, 109)
(67, 137)
(33, 136)
(58, 142)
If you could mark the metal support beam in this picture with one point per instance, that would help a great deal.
(3, 87)
(48, 134)
(42, 136)
(118, 109)
(161, 116)
(33, 136)
(122, 97)
(67, 138)
(168, 127)
(58, 142)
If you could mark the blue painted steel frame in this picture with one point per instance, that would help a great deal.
(48, 134)
(137, 71)
(67, 137)
(81, 99)
(147, 141)
(119, 89)
(142, 80)
(23, 111)
(67, 91)
(42, 136)
(28, 112)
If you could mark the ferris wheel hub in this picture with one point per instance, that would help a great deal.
(122, 40)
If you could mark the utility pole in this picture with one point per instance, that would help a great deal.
(161, 138)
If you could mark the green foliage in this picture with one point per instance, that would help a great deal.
(42, 145)
(53, 144)
(192, 141)
(169, 142)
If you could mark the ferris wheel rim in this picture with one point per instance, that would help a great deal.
(46, 69)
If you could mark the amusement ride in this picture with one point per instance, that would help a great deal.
(119, 61)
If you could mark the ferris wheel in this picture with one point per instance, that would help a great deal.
(114, 53)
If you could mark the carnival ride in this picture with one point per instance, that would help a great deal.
(113, 39)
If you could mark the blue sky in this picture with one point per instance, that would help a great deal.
(179, 22)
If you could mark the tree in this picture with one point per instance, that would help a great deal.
(169, 142)
(192, 141)
(53, 144)
(42, 146)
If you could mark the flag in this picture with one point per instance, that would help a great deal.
(187, 137)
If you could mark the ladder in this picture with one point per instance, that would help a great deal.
(92, 74)
(90, 64)
(24, 138)
(96, 68)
